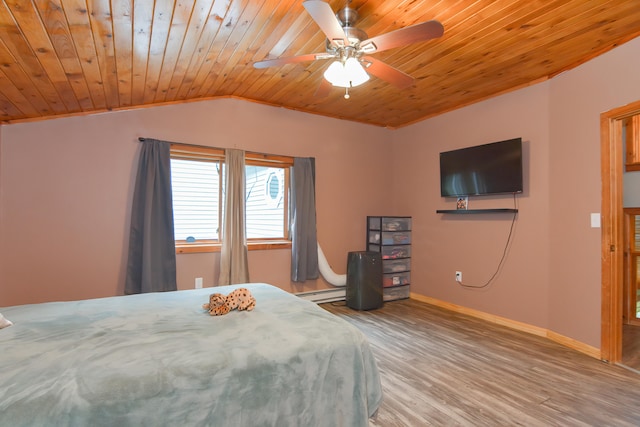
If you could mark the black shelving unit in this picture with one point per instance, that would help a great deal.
(391, 236)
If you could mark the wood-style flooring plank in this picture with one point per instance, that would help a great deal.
(441, 368)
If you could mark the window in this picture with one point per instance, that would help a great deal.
(197, 179)
(265, 207)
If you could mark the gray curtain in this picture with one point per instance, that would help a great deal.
(234, 266)
(304, 241)
(151, 265)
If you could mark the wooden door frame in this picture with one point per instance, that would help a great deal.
(612, 250)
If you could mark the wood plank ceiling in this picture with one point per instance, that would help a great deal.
(61, 57)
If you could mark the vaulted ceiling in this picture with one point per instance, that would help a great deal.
(62, 57)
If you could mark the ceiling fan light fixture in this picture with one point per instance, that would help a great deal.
(355, 72)
(347, 74)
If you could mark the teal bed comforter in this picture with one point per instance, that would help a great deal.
(160, 360)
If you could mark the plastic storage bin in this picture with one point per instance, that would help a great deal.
(396, 224)
(395, 252)
(396, 265)
(396, 279)
(395, 293)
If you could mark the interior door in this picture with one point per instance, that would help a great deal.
(631, 303)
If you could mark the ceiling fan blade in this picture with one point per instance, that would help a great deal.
(323, 89)
(326, 19)
(387, 73)
(290, 60)
(404, 36)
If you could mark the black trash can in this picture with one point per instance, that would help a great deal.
(364, 280)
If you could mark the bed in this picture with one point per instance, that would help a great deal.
(159, 359)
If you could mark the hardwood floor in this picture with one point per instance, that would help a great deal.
(440, 368)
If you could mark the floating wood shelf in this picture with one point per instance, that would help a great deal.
(476, 211)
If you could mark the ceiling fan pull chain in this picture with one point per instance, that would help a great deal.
(346, 93)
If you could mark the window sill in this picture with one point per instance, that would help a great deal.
(252, 246)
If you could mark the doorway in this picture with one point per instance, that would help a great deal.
(613, 157)
(631, 293)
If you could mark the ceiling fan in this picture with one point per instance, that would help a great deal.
(350, 48)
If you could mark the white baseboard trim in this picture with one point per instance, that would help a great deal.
(324, 295)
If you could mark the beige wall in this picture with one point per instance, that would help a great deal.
(576, 102)
(474, 244)
(67, 186)
(65, 189)
(551, 277)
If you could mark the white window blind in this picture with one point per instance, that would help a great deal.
(196, 188)
(265, 202)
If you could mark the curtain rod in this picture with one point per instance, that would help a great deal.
(184, 144)
(141, 139)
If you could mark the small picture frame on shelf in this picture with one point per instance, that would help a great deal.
(462, 203)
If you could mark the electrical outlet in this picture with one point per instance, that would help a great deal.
(198, 282)
(459, 276)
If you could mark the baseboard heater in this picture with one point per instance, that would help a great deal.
(324, 295)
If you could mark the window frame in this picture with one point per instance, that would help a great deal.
(195, 152)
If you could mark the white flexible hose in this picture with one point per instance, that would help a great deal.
(326, 271)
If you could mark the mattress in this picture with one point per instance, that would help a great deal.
(159, 359)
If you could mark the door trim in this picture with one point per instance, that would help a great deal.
(612, 250)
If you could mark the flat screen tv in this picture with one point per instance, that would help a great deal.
(494, 168)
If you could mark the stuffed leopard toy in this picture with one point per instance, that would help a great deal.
(217, 305)
(240, 299)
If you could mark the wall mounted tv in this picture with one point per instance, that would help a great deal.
(494, 168)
